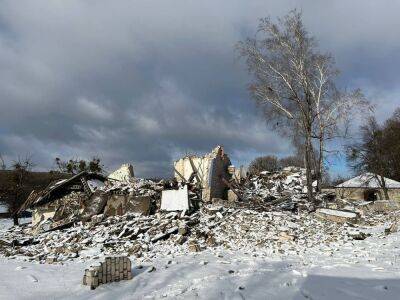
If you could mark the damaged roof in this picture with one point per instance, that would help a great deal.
(58, 189)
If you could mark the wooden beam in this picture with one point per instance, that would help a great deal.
(195, 171)
(228, 184)
(180, 175)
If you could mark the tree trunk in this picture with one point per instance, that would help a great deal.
(319, 165)
(308, 148)
(385, 190)
(14, 208)
(15, 219)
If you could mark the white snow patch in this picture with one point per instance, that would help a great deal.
(338, 213)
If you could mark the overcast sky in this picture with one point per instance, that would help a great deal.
(147, 81)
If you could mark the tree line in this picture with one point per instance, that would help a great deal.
(271, 163)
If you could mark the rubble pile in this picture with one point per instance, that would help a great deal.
(285, 189)
(212, 227)
(137, 187)
(269, 214)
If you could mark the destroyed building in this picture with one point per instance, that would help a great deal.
(210, 171)
(10, 186)
(272, 216)
(367, 187)
(124, 173)
(208, 205)
(67, 197)
(87, 194)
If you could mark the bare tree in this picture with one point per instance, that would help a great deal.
(17, 185)
(369, 154)
(263, 163)
(294, 82)
(291, 161)
(74, 166)
(2, 163)
(391, 144)
(378, 150)
(333, 118)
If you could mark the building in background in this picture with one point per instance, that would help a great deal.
(368, 187)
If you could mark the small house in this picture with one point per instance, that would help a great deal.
(368, 187)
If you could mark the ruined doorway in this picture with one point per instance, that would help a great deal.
(371, 195)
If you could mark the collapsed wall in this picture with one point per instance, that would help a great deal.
(115, 218)
(124, 173)
(62, 208)
(209, 169)
(87, 194)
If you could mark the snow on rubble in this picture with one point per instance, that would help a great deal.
(280, 233)
(271, 235)
(273, 218)
(366, 269)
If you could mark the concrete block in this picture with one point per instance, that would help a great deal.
(112, 269)
(172, 200)
(338, 216)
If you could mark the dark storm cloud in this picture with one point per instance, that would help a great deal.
(146, 81)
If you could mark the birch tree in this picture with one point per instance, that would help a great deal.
(294, 83)
(334, 112)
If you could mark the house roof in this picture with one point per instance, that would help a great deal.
(368, 180)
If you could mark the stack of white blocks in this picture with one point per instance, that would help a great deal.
(113, 269)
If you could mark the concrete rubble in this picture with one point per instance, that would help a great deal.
(208, 172)
(285, 189)
(273, 232)
(270, 214)
(124, 173)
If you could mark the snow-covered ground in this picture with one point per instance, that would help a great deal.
(205, 276)
(367, 269)
(3, 208)
(7, 223)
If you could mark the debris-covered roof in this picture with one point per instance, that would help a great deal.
(47, 195)
(368, 180)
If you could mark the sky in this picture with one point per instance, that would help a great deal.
(146, 82)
